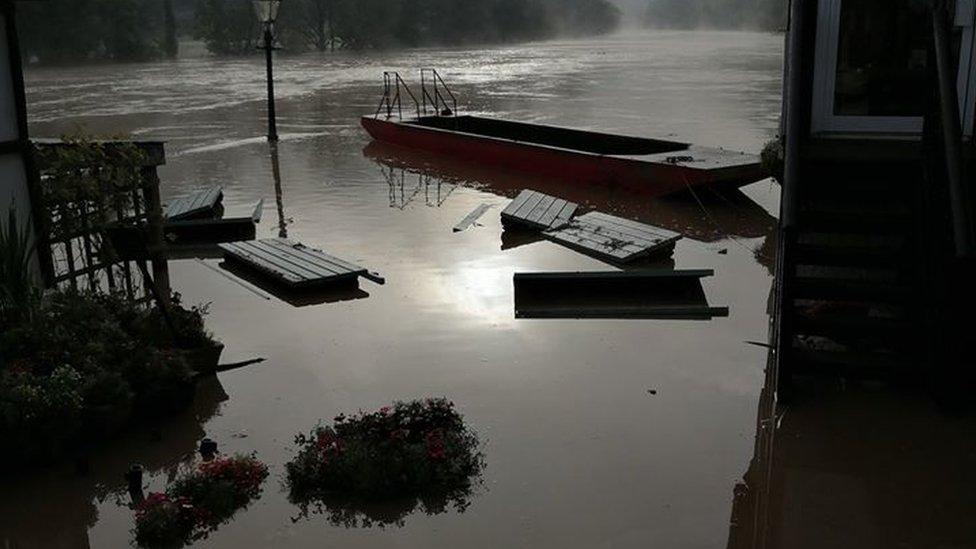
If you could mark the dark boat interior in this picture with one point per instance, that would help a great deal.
(579, 140)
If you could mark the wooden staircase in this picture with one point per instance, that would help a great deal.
(851, 272)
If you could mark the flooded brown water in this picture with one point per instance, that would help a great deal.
(579, 452)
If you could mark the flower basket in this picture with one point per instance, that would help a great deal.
(419, 451)
(199, 502)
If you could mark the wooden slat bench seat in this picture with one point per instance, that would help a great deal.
(613, 239)
(535, 210)
(293, 264)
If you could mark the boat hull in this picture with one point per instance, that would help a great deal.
(660, 174)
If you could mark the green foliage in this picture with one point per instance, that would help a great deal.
(82, 179)
(39, 415)
(68, 31)
(419, 450)
(773, 159)
(18, 293)
(719, 14)
(230, 27)
(198, 502)
(120, 367)
(227, 27)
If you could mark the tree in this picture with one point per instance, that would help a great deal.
(62, 31)
(171, 47)
(226, 27)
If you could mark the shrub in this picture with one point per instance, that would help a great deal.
(419, 450)
(198, 503)
(18, 293)
(39, 415)
(772, 159)
(126, 364)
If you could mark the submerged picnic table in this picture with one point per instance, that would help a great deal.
(294, 264)
(612, 238)
(606, 237)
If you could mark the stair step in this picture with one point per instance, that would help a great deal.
(856, 222)
(848, 290)
(852, 256)
(848, 364)
(836, 325)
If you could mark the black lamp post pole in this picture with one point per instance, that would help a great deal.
(268, 50)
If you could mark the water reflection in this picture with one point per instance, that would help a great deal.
(402, 194)
(856, 466)
(279, 193)
(352, 513)
(707, 217)
(56, 508)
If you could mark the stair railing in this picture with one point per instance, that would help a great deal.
(392, 86)
(438, 100)
(951, 126)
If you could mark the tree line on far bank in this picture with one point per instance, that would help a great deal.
(716, 14)
(68, 31)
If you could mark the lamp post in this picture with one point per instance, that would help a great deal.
(267, 11)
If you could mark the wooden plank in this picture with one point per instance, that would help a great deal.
(196, 204)
(536, 213)
(284, 265)
(317, 254)
(236, 252)
(538, 210)
(566, 215)
(531, 203)
(472, 217)
(613, 239)
(297, 261)
(514, 205)
(553, 212)
(634, 227)
(316, 260)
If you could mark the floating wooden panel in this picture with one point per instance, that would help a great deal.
(472, 217)
(293, 264)
(538, 211)
(647, 294)
(613, 239)
(196, 205)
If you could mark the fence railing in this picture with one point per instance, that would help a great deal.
(88, 187)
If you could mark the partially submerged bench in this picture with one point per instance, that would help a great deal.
(609, 238)
(199, 204)
(644, 294)
(295, 265)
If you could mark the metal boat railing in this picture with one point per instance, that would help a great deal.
(392, 86)
(438, 99)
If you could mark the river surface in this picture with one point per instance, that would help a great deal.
(597, 433)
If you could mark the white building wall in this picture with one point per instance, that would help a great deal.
(13, 177)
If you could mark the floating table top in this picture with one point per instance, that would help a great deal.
(613, 239)
(293, 264)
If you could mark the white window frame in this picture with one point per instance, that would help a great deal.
(825, 79)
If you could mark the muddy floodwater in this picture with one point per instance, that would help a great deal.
(597, 433)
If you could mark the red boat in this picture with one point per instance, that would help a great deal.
(657, 166)
(649, 165)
